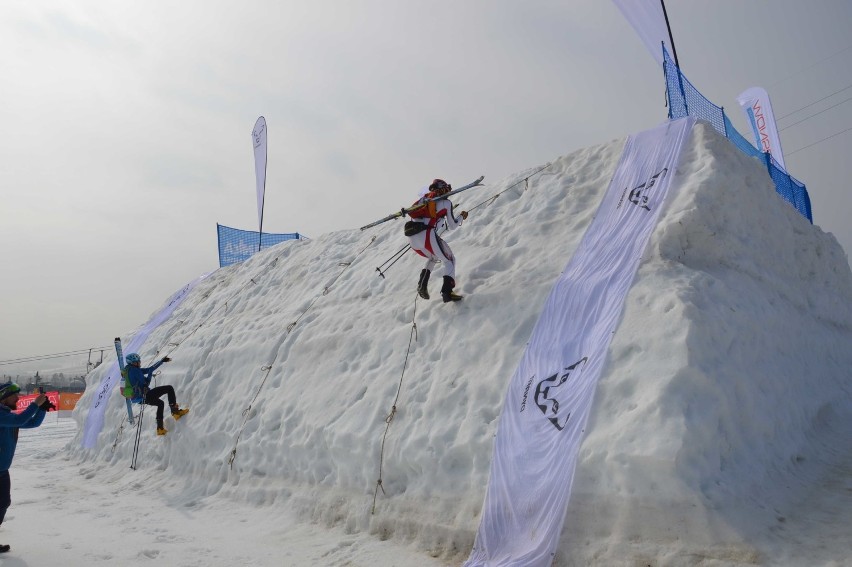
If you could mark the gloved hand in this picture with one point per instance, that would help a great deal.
(464, 215)
(166, 359)
(47, 406)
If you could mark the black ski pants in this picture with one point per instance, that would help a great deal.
(153, 399)
(5, 494)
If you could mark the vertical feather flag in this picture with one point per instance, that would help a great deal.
(755, 103)
(258, 136)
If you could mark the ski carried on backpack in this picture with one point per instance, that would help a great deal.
(123, 369)
(405, 211)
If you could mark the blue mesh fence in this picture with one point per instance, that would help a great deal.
(237, 245)
(685, 100)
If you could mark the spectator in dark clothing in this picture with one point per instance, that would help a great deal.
(9, 425)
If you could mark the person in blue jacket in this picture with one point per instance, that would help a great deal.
(9, 425)
(140, 378)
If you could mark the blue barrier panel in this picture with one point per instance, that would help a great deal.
(685, 100)
(237, 245)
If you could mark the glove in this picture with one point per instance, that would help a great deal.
(47, 406)
(464, 215)
(166, 359)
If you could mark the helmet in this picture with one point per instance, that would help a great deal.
(440, 186)
(8, 389)
(133, 358)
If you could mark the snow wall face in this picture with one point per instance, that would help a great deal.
(674, 417)
(728, 380)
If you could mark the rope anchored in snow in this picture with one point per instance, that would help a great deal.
(247, 413)
(411, 337)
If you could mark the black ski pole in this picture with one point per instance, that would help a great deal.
(394, 262)
(138, 435)
(395, 257)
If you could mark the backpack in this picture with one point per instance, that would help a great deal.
(127, 389)
(428, 210)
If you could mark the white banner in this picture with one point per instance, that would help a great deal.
(647, 18)
(95, 417)
(258, 137)
(755, 103)
(549, 397)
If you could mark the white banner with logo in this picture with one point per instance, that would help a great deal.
(649, 21)
(95, 417)
(550, 395)
(755, 103)
(258, 138)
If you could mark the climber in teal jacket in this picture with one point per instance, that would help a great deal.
(140, 379)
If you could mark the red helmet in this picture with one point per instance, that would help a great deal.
(440, 186)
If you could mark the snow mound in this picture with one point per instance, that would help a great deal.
(725, 398)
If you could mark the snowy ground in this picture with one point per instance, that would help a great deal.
(76, 515)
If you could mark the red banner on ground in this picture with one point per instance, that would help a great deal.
(25, 401)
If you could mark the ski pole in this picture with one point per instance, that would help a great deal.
(395, 261)
(138, 435)
(399, 254)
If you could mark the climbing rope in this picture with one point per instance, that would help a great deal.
(118, 436)
(525, 180)
(251, 281)
(246, 413)
(326, 290)
(411, 337)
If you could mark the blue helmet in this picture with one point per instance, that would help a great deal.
(133, 358)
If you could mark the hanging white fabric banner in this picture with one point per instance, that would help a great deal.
(258, 137)
(550, 394)
(755, 103)
(95, 417)
(649, 22)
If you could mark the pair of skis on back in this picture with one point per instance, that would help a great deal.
(404, 211)
(123, 369)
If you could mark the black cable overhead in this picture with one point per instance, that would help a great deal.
(814, 102)
(56, 355)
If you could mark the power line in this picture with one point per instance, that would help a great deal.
(817, 142)
(815, 114)
(56, 355)
(814, 102)
(810, 66)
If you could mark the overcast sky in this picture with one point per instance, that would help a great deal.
(126, 126)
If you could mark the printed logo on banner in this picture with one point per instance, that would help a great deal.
(638, 195)
(257, 134)
(547, 393)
